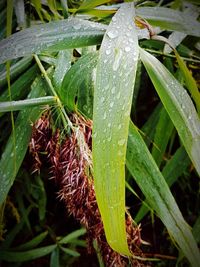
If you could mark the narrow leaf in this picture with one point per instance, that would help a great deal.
(9, 164)
(52, 36)
(54, 260)
(153, 185)
(170, 19)
(71, 236)
(178, 105)
(27, 103)
(88, 4)
(32, 243)
(190, 81)
(63, 64)
(116, 71)
(26, 255)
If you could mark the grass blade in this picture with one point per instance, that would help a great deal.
(71, 236)
(116, 70)
(27, 103)
(53, 36)
(170, 19)
(9, 165)
(32, 243)
(153, 185)
(26, 255)
(178, 105)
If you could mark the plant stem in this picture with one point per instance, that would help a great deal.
(48, 80)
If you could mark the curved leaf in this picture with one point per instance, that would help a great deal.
(178, 105)
(116, 71)
(170, 19)
(53, 36)
(75, 77)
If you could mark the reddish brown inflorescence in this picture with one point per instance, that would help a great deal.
(70, 165)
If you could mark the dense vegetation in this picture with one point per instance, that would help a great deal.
(99, 133)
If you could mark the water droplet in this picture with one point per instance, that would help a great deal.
(118, 95)
(127, 49)
(109, 138)
(109, 125)
(121, 142)
(108, 51)
(131, 40)
(111, 104)
(113, 90)
(112, 34)
(119, 126)
(116, 63)
(114, 19)
(102, 99)
(12, 154)
(94, 135)
(104, 115)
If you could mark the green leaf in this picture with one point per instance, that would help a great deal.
(153, 185)
(170, 19)
(70, 252)
(174, 168)
(52, 36)
(20, 88)
(75, 77)
(54, 260)
(15, 70)
(12, 157)
(89, 4)
(178, 105)
(163, 133)
(71, 236)
(190, 81)
(63, 65)
(116, 71)
(27, 103)
(32, 243)
(26, 255)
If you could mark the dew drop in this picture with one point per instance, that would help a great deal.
(111, 104)
(109, 125)
(112, 34)
(102, 99)
(104, 115)
(121, 142)
(114, 19)
(118, 95)
(116, 63)
(119, 126)
(108, 51)
(12, 154)
(113, 90)
(127, 49)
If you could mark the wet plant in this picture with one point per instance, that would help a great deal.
(105, 95)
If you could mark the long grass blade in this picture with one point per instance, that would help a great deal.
(178, 105)
(153, 185)
(170, 19)
(27, 103)
(116, 71)
(22, 136)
